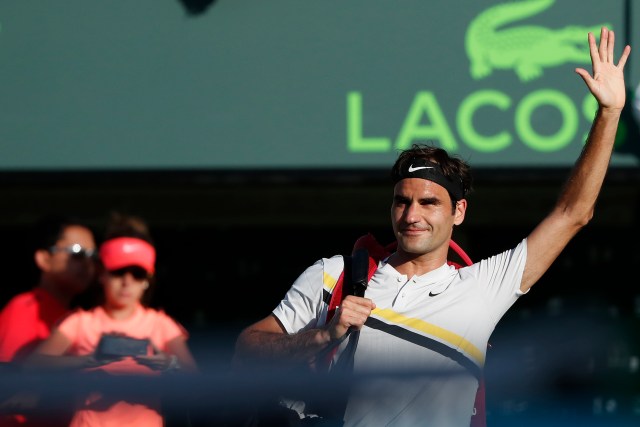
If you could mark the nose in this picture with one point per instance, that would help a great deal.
(411, 214)
(128, 279)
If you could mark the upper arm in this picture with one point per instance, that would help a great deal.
(268, 324)
(14, 335)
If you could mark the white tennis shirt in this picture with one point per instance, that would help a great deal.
(420, 354)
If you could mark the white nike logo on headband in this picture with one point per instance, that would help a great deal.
(412, 169)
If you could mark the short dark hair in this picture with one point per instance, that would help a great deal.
(453, 167)
(124, 225)
(50, 228)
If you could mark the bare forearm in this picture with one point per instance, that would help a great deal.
(273, 347)
(576, 203)
(583, 186)
(38, 361)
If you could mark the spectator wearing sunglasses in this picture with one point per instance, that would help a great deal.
(64, 254)
(65, 251)
(122, 335)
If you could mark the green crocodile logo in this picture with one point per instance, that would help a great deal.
(525, 49)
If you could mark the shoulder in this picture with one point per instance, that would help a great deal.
(20, 303)
(499, 269)
(23, 298)
(320, 276)
(328, 269)
(162, 322)
(76, 320)
(156, 315)
(516, 254)
(16, 300)
(333, 265)
(79, 315)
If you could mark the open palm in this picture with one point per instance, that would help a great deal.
(607, 82)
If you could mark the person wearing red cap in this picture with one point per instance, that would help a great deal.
(85, 338)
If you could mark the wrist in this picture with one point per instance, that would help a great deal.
(89, 361)
(173, 364)
(335, 335)
(611, 112)
(323, 337)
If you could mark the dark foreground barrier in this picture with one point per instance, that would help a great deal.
(220, 397)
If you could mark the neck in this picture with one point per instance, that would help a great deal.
(415, 264)
(63, 297)
(120, 313)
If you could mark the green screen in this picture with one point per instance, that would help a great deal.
(255, 84)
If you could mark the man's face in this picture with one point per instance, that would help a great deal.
(422, 216)
(73, 271)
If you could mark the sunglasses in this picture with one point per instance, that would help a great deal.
(138, 273)
(75, 251)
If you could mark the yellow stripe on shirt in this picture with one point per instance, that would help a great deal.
(431, 330)
(329, 282)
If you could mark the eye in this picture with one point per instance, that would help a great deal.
(429, 201)
(400, 201)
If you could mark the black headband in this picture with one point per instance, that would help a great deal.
(421, 168)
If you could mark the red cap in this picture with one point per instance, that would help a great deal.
(127, 251)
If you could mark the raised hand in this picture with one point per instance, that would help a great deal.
(607, 82)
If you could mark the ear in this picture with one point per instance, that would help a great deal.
(102, 278)
(42, 257)
(461, 209)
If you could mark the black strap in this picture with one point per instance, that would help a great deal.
(347, 276)
(360, 272)
(356, 271)
(354, 282)
(355, 277)
(356, 285)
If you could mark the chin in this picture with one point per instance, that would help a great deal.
(413, 249)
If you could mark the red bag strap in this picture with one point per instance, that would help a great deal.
(378, 252)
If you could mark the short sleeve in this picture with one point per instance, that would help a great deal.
(303, 306)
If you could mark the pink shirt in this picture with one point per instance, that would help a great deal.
(84, 329)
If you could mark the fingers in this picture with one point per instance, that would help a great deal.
(603, 53)
(358, 304)
(155, 349)
(624, 56)
(584, 74)
(602, 46)
(156, 362)
(354, 311)
(606, 49)
(603, 49)
(610, 44)
(350, 315)
(593, 49)
(594, 52)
